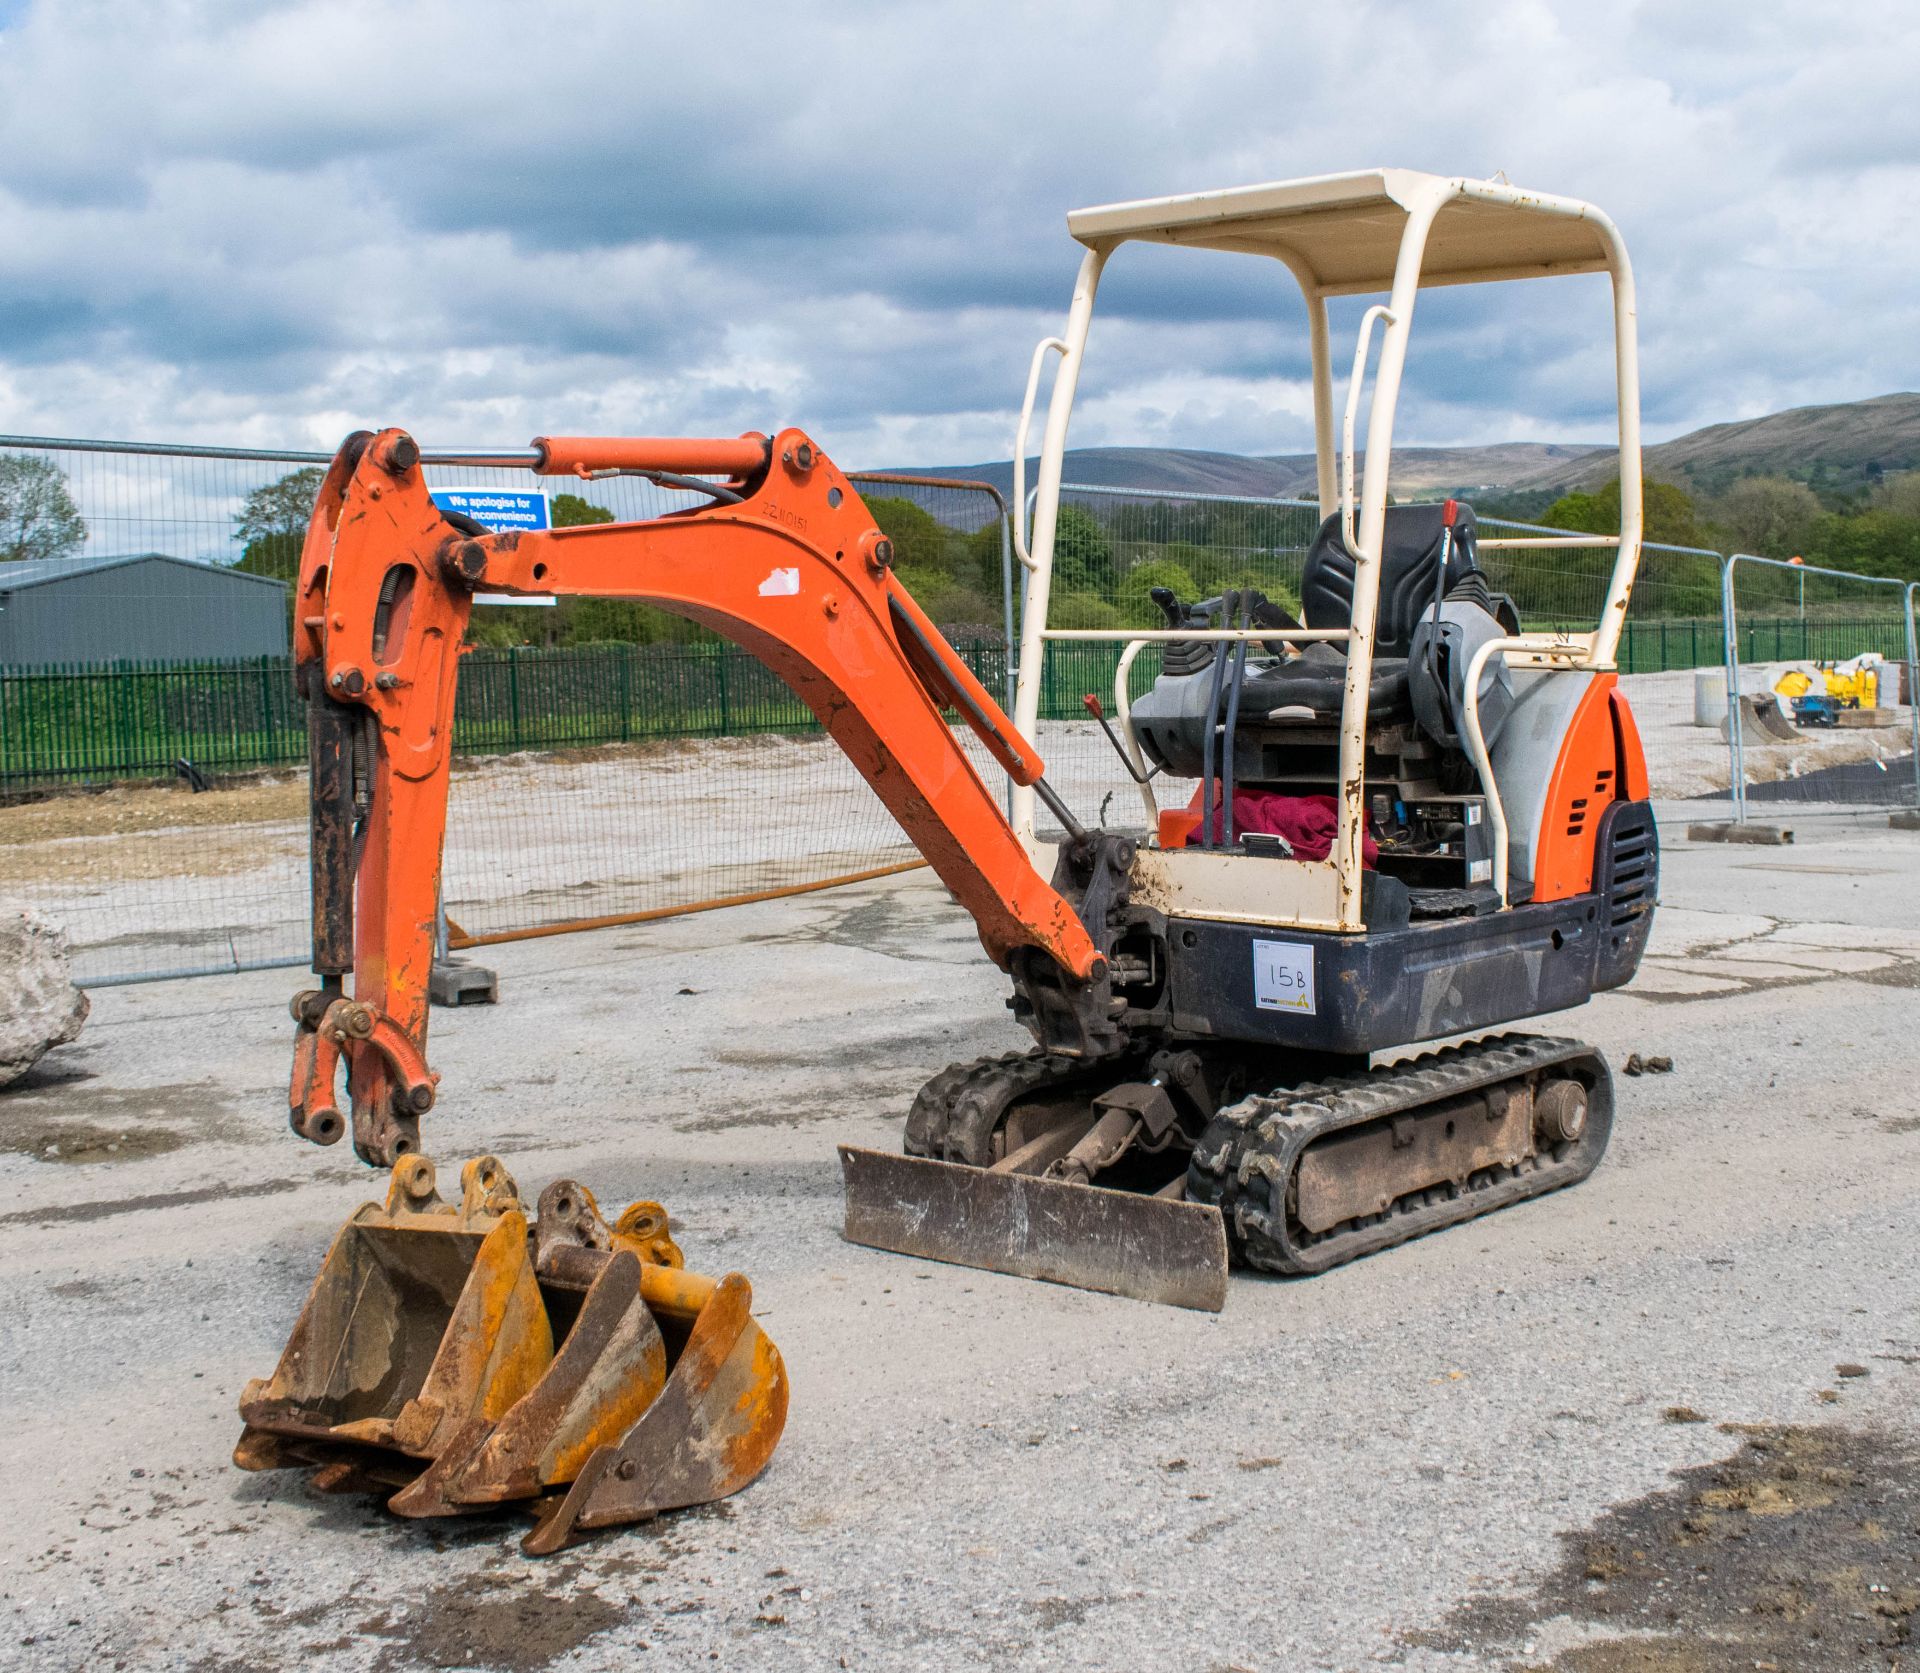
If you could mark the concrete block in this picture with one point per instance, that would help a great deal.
(453, 981)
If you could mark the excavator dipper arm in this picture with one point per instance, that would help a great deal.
(787, 562)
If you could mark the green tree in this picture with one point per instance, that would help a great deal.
(272, 525)
(1136, 590)
(1871, 542)
(38, 518)
(920, 541)
(1076, 609)
(570, 511)
(1767, 515)
(984, 558)
(1082, 554)
(1899, 493)
(1668, 514)
(953, 576)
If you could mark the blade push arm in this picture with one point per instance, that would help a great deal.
(790, 566)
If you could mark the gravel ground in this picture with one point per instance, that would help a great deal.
(1371, 1468)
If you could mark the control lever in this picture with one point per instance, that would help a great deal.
(1098, 710)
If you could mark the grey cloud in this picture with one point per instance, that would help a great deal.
(490, 221)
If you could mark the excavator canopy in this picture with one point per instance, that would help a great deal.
(1342, 232)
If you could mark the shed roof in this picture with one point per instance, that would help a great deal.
(34, 572)
(1344, 229)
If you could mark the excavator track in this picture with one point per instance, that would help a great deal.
(956, 1115)
(1313, 1177)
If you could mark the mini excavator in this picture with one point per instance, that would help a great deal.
(1415, 819)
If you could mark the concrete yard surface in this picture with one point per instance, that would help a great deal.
(1459, 1454)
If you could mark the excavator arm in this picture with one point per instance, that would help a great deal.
(787, 562)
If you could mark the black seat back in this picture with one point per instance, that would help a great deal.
(1409, 557)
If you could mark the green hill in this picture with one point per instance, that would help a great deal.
(1839, 451)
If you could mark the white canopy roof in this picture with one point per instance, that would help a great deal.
(1341, 232)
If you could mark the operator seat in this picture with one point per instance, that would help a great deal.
(1409, 564)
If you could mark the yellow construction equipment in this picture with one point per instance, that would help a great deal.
(1853, 684)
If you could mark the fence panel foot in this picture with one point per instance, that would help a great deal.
(455, 981)
(1728, 830)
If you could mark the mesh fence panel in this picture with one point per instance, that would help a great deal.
(591, 781)
(1821, 664)
(1118, 543)
(730, 790)
(607, 780)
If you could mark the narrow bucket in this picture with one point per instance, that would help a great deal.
(710, 1431)
(425, 1315)
(610, 1368)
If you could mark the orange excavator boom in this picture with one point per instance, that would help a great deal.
(786, 561)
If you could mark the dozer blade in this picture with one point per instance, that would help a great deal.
(1149, 1248)
(424, 1316)
(710, 1431)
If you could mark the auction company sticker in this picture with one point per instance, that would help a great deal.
(1283, 976)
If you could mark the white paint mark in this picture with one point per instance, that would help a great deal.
(782, 583)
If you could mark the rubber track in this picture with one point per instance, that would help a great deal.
(1245, 1160)
(954, 1115)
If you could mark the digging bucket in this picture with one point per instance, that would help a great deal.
(664, 1393)
(711, 1429)
(426, 1316)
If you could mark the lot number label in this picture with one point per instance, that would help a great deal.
(1283, 976)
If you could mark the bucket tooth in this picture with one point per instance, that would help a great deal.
(259, 1449)
(710, 1431)
(423, 1316)
(337, 1466)
(609, 1369)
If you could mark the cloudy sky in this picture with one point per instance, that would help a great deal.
(272, 223)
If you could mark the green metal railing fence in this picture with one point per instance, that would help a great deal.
(104, 722)
(107, 722)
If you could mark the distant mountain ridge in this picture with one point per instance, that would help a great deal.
(1174, 470)
(1839, 448)
(1846, 446)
